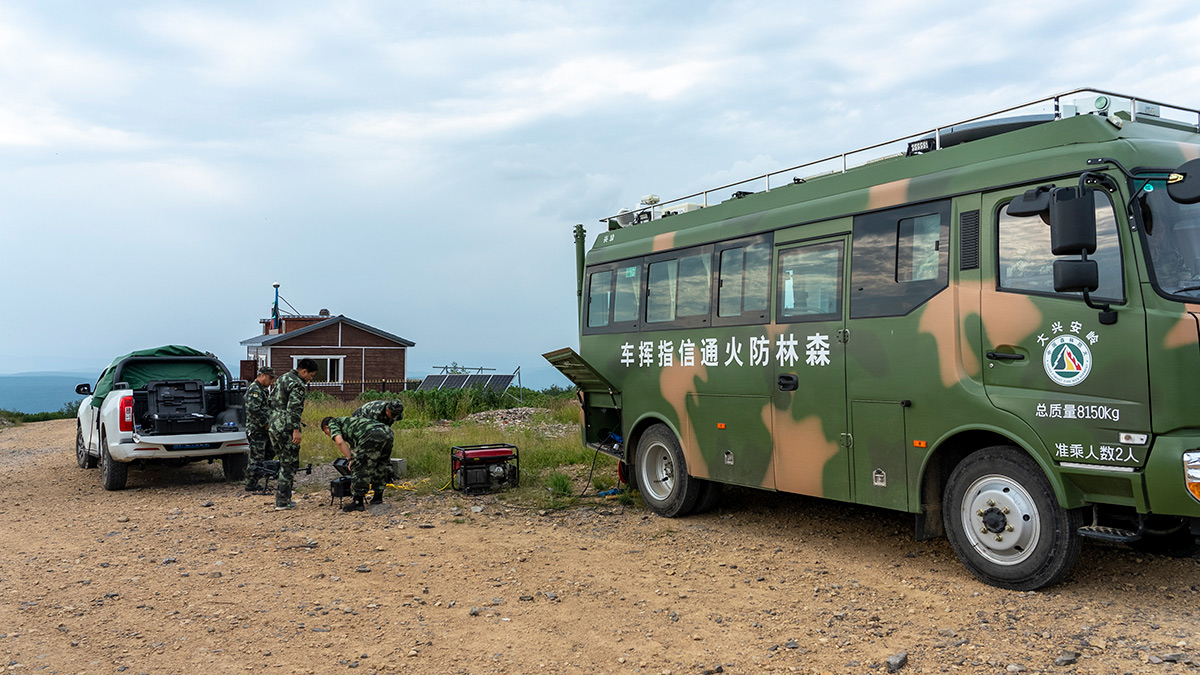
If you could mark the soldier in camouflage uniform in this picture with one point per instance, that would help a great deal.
(372, 448)
(287, 404)
(258, 410)
(386, 413)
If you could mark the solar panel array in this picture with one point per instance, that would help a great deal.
(496, 383)
(431, 382)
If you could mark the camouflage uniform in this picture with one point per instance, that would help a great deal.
(287, 404)
(377, 410)
(258, 410)
(371, 447)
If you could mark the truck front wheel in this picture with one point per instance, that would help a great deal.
(1004, 522)
(662, 475)
(82, 457)
(113, 474)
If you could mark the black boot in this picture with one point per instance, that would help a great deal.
(355, 505)
(377, 498)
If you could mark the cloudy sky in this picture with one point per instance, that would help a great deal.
(419, 166)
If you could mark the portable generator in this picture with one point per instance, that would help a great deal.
(485, 468)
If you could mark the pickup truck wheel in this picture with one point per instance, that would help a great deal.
(113, 474)
(234, 466)
(1004, 522)
(662, 475)
(82, 457)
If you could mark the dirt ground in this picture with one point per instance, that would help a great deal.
(183, 573)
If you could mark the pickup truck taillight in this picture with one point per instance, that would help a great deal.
(125, 413)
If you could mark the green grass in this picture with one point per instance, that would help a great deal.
(553, 470)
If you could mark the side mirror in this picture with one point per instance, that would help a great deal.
(1072, 221)
(84, 389)
(1183, 185)
(1075, 276)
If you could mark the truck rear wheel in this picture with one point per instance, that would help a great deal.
(1005, 524)
(113, 474)
(661, 474)
(234, 466)
(82, 457)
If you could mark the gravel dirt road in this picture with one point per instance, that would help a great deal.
(183, 573)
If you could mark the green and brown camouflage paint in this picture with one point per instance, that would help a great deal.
(907, 396)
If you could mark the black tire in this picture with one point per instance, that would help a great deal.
(1169, 536)
(83, 458)
(662, 476)
(235, 465)
(710, 496)
(113, 474)
(1004, 522)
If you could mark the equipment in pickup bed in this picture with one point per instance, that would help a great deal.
(485, 468)
(176, 407)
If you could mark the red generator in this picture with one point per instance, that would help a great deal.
(485, 468)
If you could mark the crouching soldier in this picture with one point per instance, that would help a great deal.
(386, 413)
(258, 411)
(372, 452)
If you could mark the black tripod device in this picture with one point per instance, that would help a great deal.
(270, 470)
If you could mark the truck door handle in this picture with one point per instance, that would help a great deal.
(1002, 356)
(789, 383)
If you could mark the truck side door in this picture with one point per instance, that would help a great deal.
(1080, 384)
(810, 383)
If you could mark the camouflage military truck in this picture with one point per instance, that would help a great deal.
(996, 328)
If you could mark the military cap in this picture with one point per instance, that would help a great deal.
(266, 370)
(397, 409)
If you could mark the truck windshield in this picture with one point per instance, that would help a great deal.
(1172, 234)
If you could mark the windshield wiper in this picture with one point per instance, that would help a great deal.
(1185, 289)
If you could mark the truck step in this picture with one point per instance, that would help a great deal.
(1115, 535)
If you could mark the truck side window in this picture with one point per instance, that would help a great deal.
(613, 293)
(599, 292)
(810, 283)
(679, 288)
(628, 290)
(899, 259)
(743, 281)
(1026, 264)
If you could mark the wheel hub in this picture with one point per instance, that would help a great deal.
(994, 520)
(1001, 519)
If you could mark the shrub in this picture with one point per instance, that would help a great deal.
(372, 395)
(317, 396)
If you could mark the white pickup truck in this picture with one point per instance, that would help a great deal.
(170, 405)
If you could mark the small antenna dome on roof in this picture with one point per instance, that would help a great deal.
(323, 312)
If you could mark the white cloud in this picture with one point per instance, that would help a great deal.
(36, 127)
(233, 51)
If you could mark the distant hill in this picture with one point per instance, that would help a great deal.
(35, 393)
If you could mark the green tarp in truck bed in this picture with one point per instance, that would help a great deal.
(138, 373)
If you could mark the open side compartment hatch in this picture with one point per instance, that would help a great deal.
(598, 398)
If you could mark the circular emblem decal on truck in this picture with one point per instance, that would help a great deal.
(1067, 360)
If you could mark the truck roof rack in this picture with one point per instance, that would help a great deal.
(928, 140)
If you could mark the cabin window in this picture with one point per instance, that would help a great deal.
(1026, 264)
(613, 293)
(810, 283)
(899, 259)
(329, 368)
(679, 288)
(743, 281)
(599, 294)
